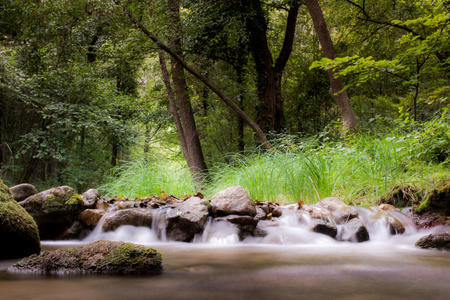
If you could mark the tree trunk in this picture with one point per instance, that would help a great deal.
(337, 84)
(196, 161)
(270, 111)
(258, 131)
(173, 107)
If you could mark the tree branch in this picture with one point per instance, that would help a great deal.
(288, 38)
(259, 133)
(367, 18)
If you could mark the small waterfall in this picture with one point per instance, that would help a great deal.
(220, 233)
(293, 227)
(132, 234)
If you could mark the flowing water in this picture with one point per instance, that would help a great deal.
(289, 263)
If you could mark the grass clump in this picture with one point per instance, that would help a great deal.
(144, 178)
(365, 168)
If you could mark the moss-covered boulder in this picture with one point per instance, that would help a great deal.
(437, 241)
(102, 257)
(54, 210)
(18, 231)
(438, 201)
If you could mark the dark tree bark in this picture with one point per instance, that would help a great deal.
(258, 131)
(173, 107)
(337, 84)
(270, 111)
(196, 161)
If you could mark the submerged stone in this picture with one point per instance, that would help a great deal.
(438, 241)
(18, 231)
(341, 212)
(323, 227)
(104, 257)
(353, 231)
(245, 224)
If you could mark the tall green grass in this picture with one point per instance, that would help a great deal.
(363, 169)
(145, 178)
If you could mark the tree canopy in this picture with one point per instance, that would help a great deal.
(82, 86)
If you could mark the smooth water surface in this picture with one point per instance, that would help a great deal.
(200, 271)
(291, 262)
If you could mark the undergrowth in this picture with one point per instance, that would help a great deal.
(362, 169)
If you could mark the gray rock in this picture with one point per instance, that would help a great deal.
(54, 210)
(18, 231)
(90, 198)
(187, 219)
(353, 231)
(341, 212)
(22, 191)
(233, 201)
(438, 241)
(323, 227)
(245, 224)
(133, 216)
(102, 257)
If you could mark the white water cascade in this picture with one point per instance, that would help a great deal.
(292, 228)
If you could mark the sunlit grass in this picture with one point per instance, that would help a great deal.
(146, 178)
(363, 170)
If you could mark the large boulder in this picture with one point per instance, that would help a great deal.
(340, 211)
(54, 210)
(18, 231)
(104, 257)
(437, 241)
(90, 198)
(132, 216)
(22, 191)
(187, 219)
(233, 201)
(353, 231)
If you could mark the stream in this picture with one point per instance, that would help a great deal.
(289, 263)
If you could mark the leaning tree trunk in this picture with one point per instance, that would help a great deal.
(337, 84)
(173, 107)
(258, 131)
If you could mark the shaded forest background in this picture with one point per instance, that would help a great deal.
(88, 86)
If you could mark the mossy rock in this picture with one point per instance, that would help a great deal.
(54, 210)
(438, 241)
(438, 201)
(102, 257)
(18, 231)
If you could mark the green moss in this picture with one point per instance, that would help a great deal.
(19, 232)
(423, 206)
(438, 200)
(75, 199)
(99, 257)
(5, 193)
(440, 241)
